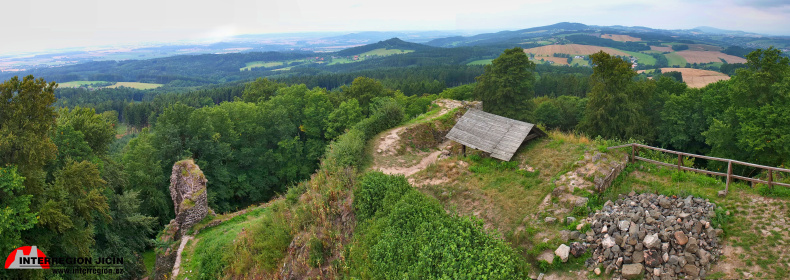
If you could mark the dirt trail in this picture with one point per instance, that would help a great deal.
(388, 145)
(177, 266)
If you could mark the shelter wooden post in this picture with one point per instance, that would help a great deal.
(680, 162)
(729, 176)
(463, 148)
(770, 179)
(633, 153)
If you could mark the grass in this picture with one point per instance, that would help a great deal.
(74, 84)
(149, 259)
(135, 85)
(675, 59)
(579, 62)
(255, 64)
(480, 62)
(121, 128)
(342, 60)
(385, 52)
(643, 59)
(202, 258)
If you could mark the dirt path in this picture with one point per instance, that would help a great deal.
(388, 145)
(177, 265)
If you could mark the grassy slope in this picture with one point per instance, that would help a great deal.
(254, 64)
(675, 59)
(385, 52)
(480, 62)
(135, 85)
(642, 58)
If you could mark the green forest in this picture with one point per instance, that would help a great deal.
(85, 173)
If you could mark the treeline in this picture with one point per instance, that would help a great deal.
(182, 70)
(596, 41)
(743, 118)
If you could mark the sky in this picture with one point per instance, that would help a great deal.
(36, 25)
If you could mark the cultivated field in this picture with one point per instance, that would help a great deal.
(385, 52)
(708, 56)
(556, 60)
(135, 85)
(621, 38)
(661, 49)
(701, 47)
(674, 59)
(76, 84)
(572, 49)
(697, 78)
(642, 59)
(255, 64)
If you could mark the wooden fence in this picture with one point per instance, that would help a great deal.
(635, 156)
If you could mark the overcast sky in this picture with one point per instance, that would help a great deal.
(45, 24)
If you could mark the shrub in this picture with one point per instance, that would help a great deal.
(376, 189)
(406, 234)
(348, 149)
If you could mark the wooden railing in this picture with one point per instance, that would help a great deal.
(635, 156)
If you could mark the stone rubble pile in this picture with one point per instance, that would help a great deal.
(653, 235)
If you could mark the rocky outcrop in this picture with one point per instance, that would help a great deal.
(188, 191)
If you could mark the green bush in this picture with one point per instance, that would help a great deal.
(376, 189)
(408, 235)
(317, 252)
(348, 149)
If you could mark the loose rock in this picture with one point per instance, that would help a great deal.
(563, 252)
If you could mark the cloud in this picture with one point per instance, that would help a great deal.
(764, 4)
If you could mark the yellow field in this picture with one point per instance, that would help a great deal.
(621, 38)
(709, 56)
(661, 49)
(572, 49)
(697, 78)
(702, 47)
(135, 85)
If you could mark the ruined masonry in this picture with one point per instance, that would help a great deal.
(188, 191)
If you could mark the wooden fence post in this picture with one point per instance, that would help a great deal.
(633, 153)
(729, 174)
(680, 162)
(770, 179)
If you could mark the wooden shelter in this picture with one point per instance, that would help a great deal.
(497, 135)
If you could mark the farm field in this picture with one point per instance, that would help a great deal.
(340, 61)
(643, 59)
(698, 78)
(385, 52)
(480, 62)
(661, 49)
(708, 56)
(135, 85)
(572, 49)
(621, 38)
(556, 60)
(75, 84)
(579, 62)
(675, 60)
(703, 47)
(255, 64)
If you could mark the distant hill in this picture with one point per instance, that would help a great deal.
(393, 43)
(506, 36)
(713, 30)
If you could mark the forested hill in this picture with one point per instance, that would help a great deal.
(506, 36)
(394, 43)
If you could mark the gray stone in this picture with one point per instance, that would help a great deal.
(570, 220)
(691, 270)
(563, 252)
(550, 220)
(638, 257)
(652, 241)
(597, 271)
(692, 246)
(577, 249)
(624, 225)
(632, 271)
(546, 256)
(652, 258)
(607, 242)
(657, 272)
(540, 277)
(704, 256)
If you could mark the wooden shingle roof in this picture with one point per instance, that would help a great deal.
(497, 135)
